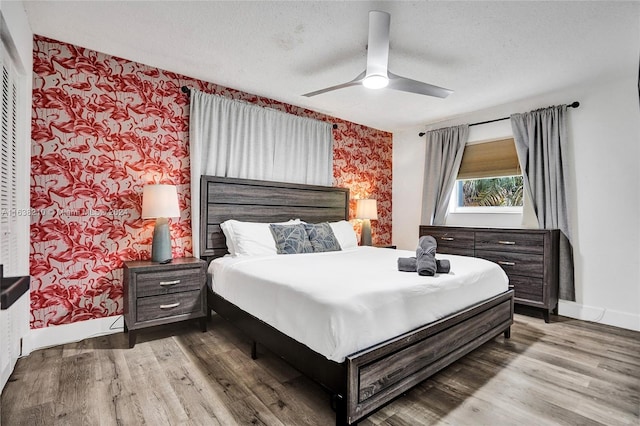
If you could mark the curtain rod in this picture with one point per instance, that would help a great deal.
(186, 90)
(574, 104)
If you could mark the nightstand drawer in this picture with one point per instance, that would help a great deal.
(531, 289)
(167, 282)
(512, 242)
(523, 264)
(168, 305)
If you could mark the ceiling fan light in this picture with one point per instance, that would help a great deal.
(375, 81)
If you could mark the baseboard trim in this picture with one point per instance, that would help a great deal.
(6, 373)
(599, 315)
(39, 338)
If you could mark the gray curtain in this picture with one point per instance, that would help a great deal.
(443, 156)
(233, 138)
(541, 143)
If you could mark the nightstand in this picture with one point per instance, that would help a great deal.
(157, 294)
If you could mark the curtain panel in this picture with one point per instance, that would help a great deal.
(541, 142)
(231, 138)
(443, 157)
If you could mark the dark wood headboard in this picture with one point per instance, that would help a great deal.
(262, 201)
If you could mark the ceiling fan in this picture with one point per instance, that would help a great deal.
(377, 75)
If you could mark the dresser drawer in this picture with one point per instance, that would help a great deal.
(517, 242)
(167, 282)
(447, 238)
(168, 305)
(530, 289)
(524, 264)
(455, 250)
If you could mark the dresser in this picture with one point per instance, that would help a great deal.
(157, 294)
(528, 256)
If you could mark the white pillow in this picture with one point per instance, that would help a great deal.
(250, 238)
(227, 230)
(345, 234)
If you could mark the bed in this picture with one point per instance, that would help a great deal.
(361, 381)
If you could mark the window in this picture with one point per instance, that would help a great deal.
(489, 180)
(8, 165)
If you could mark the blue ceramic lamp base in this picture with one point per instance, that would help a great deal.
(161, 245)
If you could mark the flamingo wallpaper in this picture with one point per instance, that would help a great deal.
(102, 128)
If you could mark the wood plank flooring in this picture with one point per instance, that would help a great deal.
(567, 372)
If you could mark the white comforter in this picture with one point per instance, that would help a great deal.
(338, 303)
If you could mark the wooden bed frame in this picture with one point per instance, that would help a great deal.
(370, 378)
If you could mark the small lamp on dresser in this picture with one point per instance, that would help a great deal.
(160, 202)
(367, 210)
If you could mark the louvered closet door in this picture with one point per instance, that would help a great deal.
(13, 321)
(8, 161)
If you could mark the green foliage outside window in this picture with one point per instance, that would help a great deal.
(493, 192)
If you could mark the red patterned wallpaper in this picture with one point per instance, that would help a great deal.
(103, 127)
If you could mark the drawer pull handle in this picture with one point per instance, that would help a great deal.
(447, 238)
(507, 243)
(171, 306)
(501, 262)
(166, 283)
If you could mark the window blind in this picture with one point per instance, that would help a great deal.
(489, 159)
(8, 167)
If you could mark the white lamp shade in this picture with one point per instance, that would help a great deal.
(160, 201)
(367, 209)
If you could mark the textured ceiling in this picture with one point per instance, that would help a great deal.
(489, 53)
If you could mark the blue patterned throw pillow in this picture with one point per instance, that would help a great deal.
(322, 237)
(291, 239)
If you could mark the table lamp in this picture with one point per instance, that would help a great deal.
(366, 210)
(160, 202)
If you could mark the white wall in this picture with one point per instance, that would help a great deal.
(605, 200)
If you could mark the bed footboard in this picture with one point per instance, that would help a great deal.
(371, 378)
(379, 374)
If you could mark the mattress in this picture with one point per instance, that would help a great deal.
(338, 303)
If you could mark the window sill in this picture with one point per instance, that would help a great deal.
(483, 211)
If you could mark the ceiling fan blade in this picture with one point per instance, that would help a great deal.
(378, 43)
(404, 84)
(377, 75)
(354, 82)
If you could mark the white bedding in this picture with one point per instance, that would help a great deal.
(338, 303)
